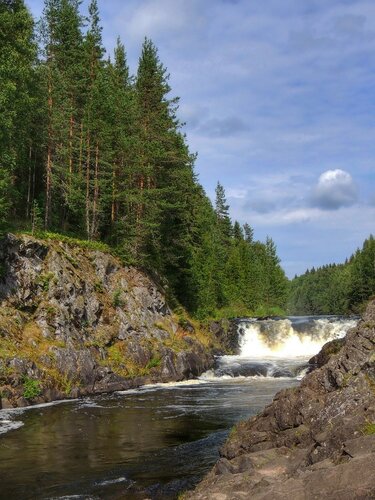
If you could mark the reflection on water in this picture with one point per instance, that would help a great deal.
(155, 441)
(162, 438)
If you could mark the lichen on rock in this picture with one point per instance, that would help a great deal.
(77, 322)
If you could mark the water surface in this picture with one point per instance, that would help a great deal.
(157, 440)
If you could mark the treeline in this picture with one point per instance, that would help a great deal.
(88, 149)
(336, 289)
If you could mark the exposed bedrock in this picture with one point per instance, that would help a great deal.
(313, 441)
(74, 321)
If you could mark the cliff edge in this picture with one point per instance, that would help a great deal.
(74, 321)
(314, 441)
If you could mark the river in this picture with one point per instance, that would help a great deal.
(155, 441)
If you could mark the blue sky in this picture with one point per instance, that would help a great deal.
(279, 102)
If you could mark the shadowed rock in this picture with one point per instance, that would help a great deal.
(313, 441)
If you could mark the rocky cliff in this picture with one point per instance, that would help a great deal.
(314, 441)
(74, 321)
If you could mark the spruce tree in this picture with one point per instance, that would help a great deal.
(222, 212)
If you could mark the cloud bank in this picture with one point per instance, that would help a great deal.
(275, 95)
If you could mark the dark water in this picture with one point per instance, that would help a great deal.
(156, 441)
(162, 440)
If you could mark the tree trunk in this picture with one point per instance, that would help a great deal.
(28, 205)
(47, 218)
(94, 225)
(88, 231)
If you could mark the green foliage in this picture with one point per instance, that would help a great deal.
(44, 280)
(153, 363)
(369, 428)
(31, 387)
(36, 218)
(97, 156)
(98, 287)
(117, 301)
(336, 289)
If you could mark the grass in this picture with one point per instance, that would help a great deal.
(241, 311)
(70, 240)
(119, 360)
(369, 428)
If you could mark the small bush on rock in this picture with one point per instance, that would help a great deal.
(31, 388)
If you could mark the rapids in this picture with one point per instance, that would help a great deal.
(155, 441)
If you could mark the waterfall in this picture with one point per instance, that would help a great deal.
(279, 347)
(291, 337)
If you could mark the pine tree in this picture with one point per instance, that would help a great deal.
(93, 119)
(63, 83)
(105, 156)
(17, 94)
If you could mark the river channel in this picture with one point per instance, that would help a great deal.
(159, 440)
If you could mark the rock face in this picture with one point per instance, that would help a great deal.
(315, 441)
(74, 321)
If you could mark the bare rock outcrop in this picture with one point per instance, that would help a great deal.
(313, 441)
(74, 321)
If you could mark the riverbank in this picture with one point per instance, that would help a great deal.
(75, 322)
(314, 441)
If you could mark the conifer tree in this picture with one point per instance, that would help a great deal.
(17, 95)
(249, 233)
(222, 212)
(105, 156)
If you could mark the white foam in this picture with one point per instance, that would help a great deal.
(22, 409)
(112, 481)
(278, 339)
(166, 385)
(7, 415)
(9, 425)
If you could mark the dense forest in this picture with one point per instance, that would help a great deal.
(91, 151)
(336, 288)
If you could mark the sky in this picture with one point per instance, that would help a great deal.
(279, 103)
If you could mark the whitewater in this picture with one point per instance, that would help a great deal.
(160, 439)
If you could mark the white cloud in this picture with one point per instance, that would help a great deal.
(161, 18)
(335, 189)
(273, 93)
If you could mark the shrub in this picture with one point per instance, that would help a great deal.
(153, 363)
(98, 287)
(44, 281)
(117, 302)
(31, 388)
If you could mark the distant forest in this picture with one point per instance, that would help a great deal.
(336, 289)
(91, 151)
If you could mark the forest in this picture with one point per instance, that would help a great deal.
(336, 288)
(90, 151)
